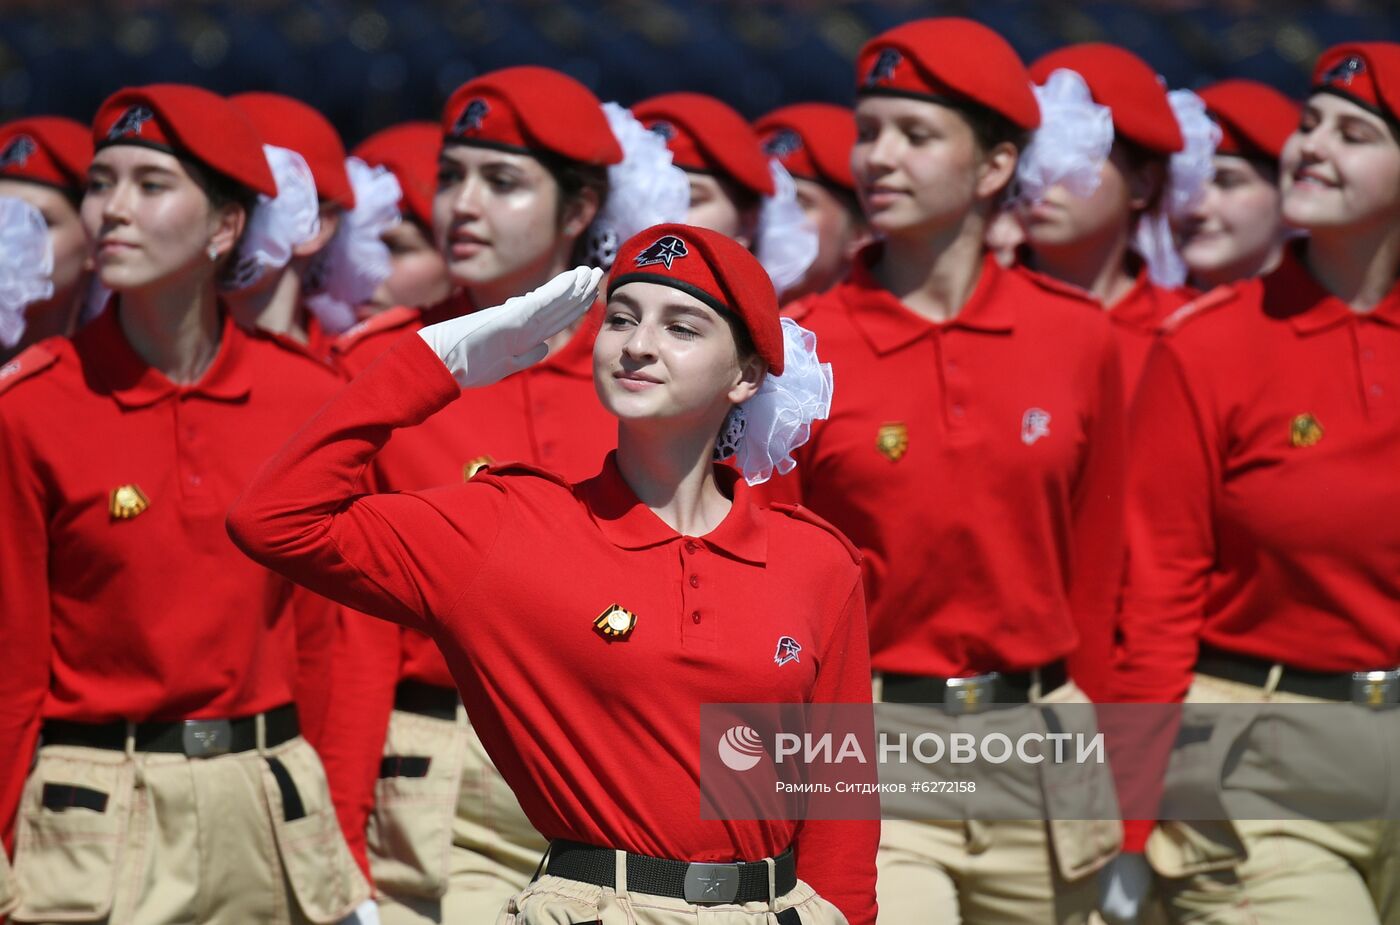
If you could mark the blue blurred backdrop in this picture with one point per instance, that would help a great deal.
(369, 63)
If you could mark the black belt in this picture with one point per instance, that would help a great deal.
(738, 882)
(426, 699)
(1370, 688)
(968, 695)
(197, 738)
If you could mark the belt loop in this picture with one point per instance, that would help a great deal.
(260, 732)
(137, 763)
(772, 883)
(620, 877)
(1272, 681)
(877, 686)
(1035, 692)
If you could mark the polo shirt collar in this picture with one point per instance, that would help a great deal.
(627, 523)
(1291, 291)
(1140, 308)
(135, 383)
(888, 324)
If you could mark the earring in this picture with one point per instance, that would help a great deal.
(213, 254)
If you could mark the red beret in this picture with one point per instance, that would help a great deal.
(812, 140)
(707, 135)
(713, 268)
(529, 109)
(949, 59)
(46, 149)
(1367, 73)
(190, 122)
(1127, 85)
(409, 150)
(1254, 118)
(291, 124)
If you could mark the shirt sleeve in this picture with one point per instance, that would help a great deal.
(1097, 530)
(364, 672)
(1170, 532)
(836, 857)
(403, 556)
(25, 633)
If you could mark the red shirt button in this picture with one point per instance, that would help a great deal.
(695, 581)
(695, 616)
(691, 546)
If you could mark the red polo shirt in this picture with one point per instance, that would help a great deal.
(1137, 317)
(598, 739)
(978, 466)
(548, 415)
(153, 616)
(1264, 508)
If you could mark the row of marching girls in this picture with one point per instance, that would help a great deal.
(161, 690)
(986, 491)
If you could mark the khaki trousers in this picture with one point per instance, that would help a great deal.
(556, 901)
(161, 838)
(454, 845)
(8, 899)
(1291, 872)
(998, 872)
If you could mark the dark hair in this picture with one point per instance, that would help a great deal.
(223, 190)
(1139, 159)
(989, 127)
(574, 178)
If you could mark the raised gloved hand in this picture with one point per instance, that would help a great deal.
(488, 345)
(1123, 887)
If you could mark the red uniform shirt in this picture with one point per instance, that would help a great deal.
(1137, 317)
(978, 466)
(508, 572)
(1264, 507)
(152, 616)
(548, 415)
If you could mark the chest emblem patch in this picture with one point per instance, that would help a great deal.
(127, 501)
(788, 651)
(475, 465)
(1304, 431)
(616, 622)
(893, 440)
(1035, 423)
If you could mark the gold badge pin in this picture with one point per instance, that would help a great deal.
(126, 501)
(893, 440)
(1305, 431)
(475, 466)
(616, 622)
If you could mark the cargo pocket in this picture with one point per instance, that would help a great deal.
(556, 901)
(409, 835)
(323, 877)
(72, 833)
(1081, 803)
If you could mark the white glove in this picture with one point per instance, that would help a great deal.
(366, 913)
(488, 345)
(1123, 887)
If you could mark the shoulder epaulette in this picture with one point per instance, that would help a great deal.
(33, 360)
(1198, 306)
(798, 512)
(386, 320)
(511, 467)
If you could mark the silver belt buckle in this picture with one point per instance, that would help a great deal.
(1376, 689)
(971, 695)
(711, 883)
(207, 738)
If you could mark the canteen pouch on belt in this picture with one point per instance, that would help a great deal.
(327, 883)
(74, 829)
(409, 836)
